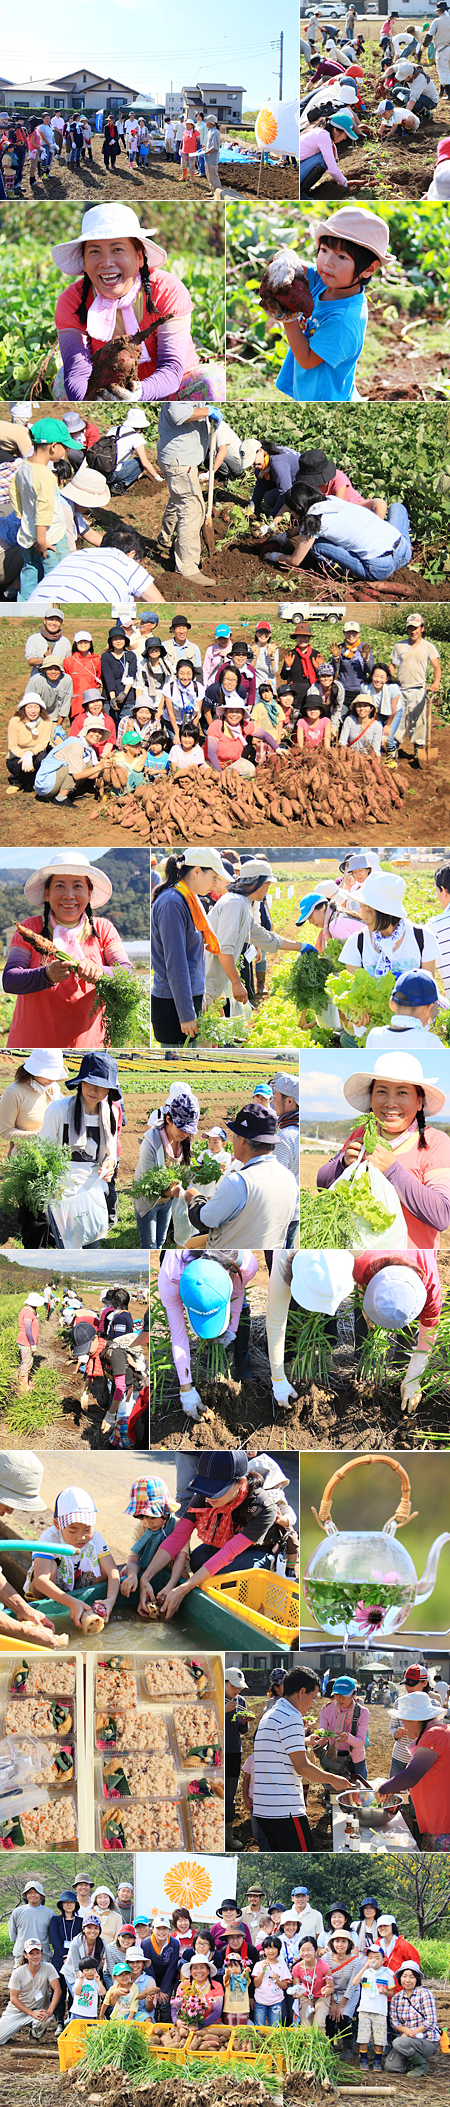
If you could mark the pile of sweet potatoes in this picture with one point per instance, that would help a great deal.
(337, 790)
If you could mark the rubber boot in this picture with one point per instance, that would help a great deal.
(363, 2060)
(378, 2063)
(242, 1363)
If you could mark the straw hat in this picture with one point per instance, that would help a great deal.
(107, 223)
(353, 223)
(20, 1479)
(393, 1068)
(74, 864)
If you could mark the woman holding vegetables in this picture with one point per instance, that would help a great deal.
(387, 942)
(166, 1142)
(211, 1295)
(181, 935)
(50, 992)
(413, 1157)
(89, 1125)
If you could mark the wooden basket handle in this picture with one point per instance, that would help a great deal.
(402, 1512)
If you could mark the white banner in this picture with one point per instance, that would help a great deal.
(277, 127)
(167, 1880)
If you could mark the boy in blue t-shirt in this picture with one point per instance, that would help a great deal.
(320, 365)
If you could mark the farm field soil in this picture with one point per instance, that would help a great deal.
(72, 1426)
(392, 166)
(36, 2090)
(241, 1412)
(92, 182)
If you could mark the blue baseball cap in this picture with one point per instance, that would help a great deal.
(343, 1686)
(205, 1290)
(415, 990)
(309, 902)
(263, 1090)
(394, 1297)
(223, 629)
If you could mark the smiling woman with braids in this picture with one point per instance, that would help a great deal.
(414, 1157)
(121, 284)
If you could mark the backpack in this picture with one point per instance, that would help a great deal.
(418, 933)
(103, 454)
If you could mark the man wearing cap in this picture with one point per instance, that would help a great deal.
(34, 1994)
(179, 644)
(35, 497)
(51, 630)
(410, 660)
(182, 443)
(255, 1908)
(414, 2023)
(414, 1004)
(258, 1200)
(30, 1919)
(310, 1921)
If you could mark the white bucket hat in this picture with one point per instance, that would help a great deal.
(393, 1068)
(415, 1704)
(75, 1505)
(75, 864)
(135, 420)
(46, 1061)
(30, 696)
(21, 1476)
(36, 1302)
(394, 1297)
(322, 1279)
(383, 891)
(22, 412)
(88, 488)
(107, 223)
(74, 423)
(256, 866)
(207, 860)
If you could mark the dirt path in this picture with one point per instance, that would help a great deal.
(158, 179)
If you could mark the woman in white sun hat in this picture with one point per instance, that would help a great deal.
(426, 1775)
(67, 892)
(414, 1157)
(120, 284)
(388, 942)
(24, 1102)
(317, 1280)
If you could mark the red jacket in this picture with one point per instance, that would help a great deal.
(85, 672)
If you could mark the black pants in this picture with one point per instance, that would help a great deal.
(232, 1770)
(294, 1834)
(166, 1022)
(24, 776)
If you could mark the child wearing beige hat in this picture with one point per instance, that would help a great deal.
(324, 347)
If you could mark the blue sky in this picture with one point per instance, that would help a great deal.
(323, 1074)
(148, 49)
(18, 859)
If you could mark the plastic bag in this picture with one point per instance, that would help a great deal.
(81, 1215)
(366, 1238)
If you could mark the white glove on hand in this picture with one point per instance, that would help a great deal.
(283, 1392)
(410, 1390)
(191, 1402)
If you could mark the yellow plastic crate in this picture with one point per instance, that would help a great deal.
(266, 1600)
(71, 2042)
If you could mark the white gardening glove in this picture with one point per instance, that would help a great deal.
(27, 761)
(410, 1390)
(227, 1338)
(191, 1402)
(283, 1392)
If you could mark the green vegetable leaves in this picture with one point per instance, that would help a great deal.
(336, 1220)
(34, 1176)
(362, 999)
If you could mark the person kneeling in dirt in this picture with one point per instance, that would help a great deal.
(212, 1296)
(35, 1992)
(399, 1288)
(414, 2023)
(343, 533)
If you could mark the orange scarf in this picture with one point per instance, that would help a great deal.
(199, 918)
(214, 1525)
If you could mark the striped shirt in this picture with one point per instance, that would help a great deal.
(278, 1790)
(439, 927)
(417, 2011)
(93, 574)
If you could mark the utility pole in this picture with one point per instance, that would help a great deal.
(277, 44)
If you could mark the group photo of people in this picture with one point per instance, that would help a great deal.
(369, 85)
(345, 1761)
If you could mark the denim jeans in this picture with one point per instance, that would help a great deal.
(153, 1226)
(394, 726)
(310, 170)
(267, 2015)
(373, 566)
(36, 567)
